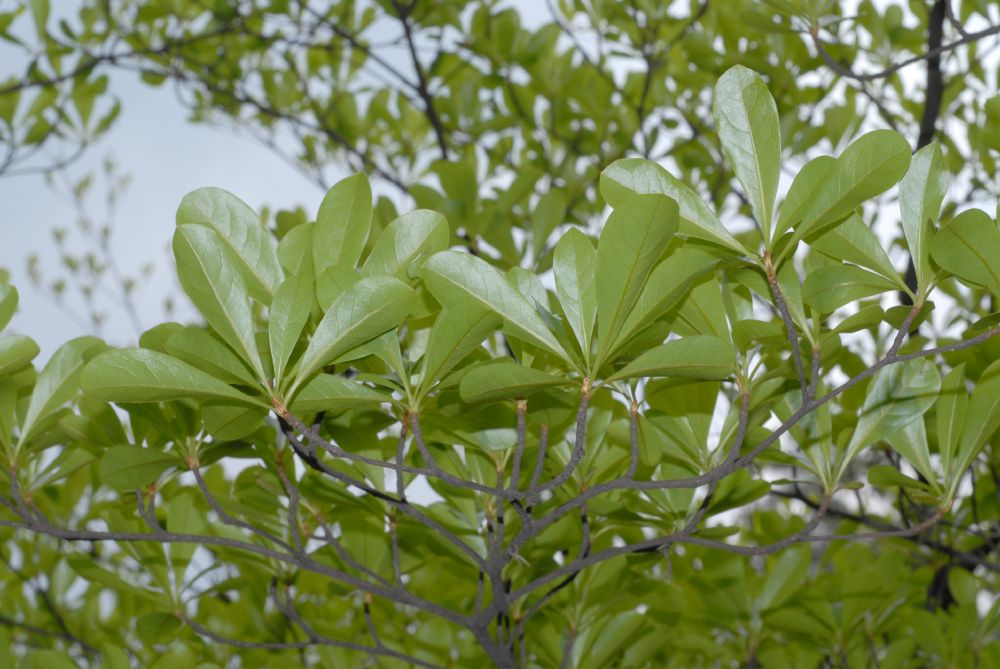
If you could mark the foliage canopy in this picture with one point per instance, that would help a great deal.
(504, 426)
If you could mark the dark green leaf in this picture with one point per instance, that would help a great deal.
(696, 357)
(127, 468)
(504, 380)
(969, 247)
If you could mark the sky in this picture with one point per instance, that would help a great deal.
(167, 157)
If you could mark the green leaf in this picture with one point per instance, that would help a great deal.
(418, 233)
(854, 242)
(16, 351)
(784, 577)
(295, 250)
(898, 395)
(802, 192)
(458, 331)
(829, 288)
(208, 275)
(632, 242)
(242, 234)
(141, 375)
(47, 658)
(695, 357)
(8, 304)
(884, 476)
(342, 224)
(981, 419)
(369, 308)
(575, 268)
(328, 392)
(625, 177)
(8, 408)
(456, 277)
(229, 422)
(126, 468)
(287, 316)
(667, 285)
(333, 282)
(910, 441)
(504, 379)
(549, 213)
(59, 381)
(969, 247)
(921, 193)
(199, 348)
(747, 122)
(951, 409)
(868, 167)
(40, 10)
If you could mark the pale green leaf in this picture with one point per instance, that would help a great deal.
(142, 375)
(287, 316)
(870, 166)
(328, 392)
(240, 230)
(910, 441)
(207, 273)
(898, 395)
(412, 235)
(982, 418)
(8, 304)
(830, 288)
(854, 242)
(16, 351)
(921, 193)
(456, 277)
(575, 268)
(951, 409)
(747, 122)
(199, 348)
(458, 331)
(632, 242)
(58, 381)
(343, 223)
(666, 286)
(369, 308)
(625, 177)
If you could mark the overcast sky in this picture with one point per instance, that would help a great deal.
(167, 158)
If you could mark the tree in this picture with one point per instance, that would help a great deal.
(552, 448)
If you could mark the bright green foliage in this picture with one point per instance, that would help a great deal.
(549, 416)
(672, 352)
